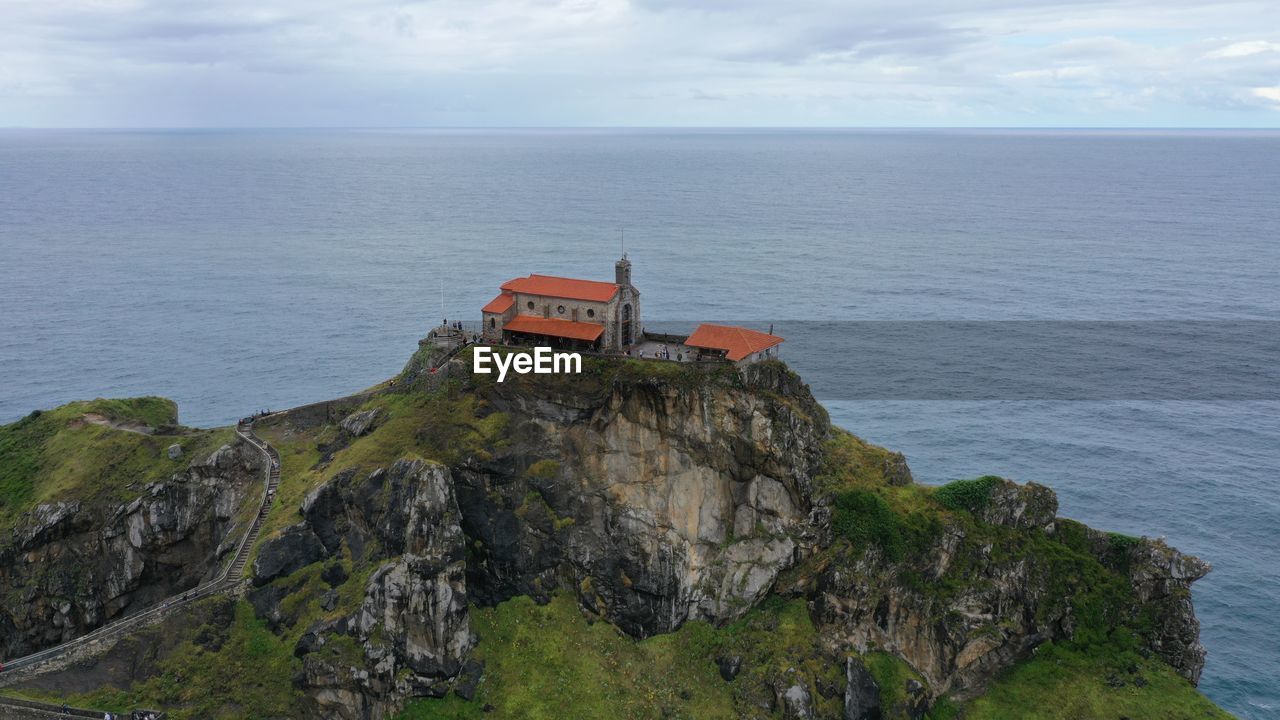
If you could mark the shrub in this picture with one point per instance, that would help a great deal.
(1120, 543)
(864, 518)
(971, 495)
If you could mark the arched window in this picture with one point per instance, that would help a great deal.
(493, 323)
(530, 304)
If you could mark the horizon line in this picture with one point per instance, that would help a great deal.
(1104, 128)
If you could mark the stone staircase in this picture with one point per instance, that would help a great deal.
(105, 637)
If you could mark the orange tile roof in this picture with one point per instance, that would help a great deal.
(499, 304)
(555, 327)
(737, 342)
(561, 287)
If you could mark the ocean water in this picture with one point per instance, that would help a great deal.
(240, 270)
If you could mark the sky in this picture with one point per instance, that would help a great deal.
(630, 63)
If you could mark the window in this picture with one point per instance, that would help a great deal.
(560, 309)
(493, 323)
(530, 304)
(591, 313)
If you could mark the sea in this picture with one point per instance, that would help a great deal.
(241, 270)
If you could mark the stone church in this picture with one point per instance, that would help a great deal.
(567, 312)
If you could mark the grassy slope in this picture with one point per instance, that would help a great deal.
(55, 455)
(552, 663)
(1065, 684)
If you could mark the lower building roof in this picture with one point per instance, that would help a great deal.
(737, 342)
(554, 327)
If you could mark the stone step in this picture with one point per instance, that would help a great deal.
(36, 663)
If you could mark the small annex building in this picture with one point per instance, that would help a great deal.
(733, 343)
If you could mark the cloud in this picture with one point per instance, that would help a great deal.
(1244, 49)
(630, 62)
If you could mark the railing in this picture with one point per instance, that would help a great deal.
(229, 577)
(68, 711)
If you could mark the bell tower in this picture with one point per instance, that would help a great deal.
(622, 272)
(628, 330)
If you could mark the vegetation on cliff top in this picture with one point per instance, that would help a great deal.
(98, 449)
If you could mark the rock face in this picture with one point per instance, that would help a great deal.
(1161, 578)
(360, 423)
(797, 704)
(1003, 605)
(411, 635)
(295, 549)
(861, 694)
(656, 503)
(75, 566)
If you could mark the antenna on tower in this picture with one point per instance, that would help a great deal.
(622, 239)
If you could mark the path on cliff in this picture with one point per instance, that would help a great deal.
(105, 637)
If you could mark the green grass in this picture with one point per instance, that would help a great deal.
(549, 662)
(249, 677)
(891, 674)
(1065, 684)
(154, 412)
(849, 461)
(55, 455)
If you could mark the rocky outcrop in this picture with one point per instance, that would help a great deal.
(982, 596)
(73, 566)
(797, 704)
(297, 547)
(1024, 507)
(861, 693)
(359, 423)
(1161, 578)
(410, 636)
(655, 502)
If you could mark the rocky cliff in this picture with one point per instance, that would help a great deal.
(656, 499)
(659, 502)
(73, 565)
(802, 568)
